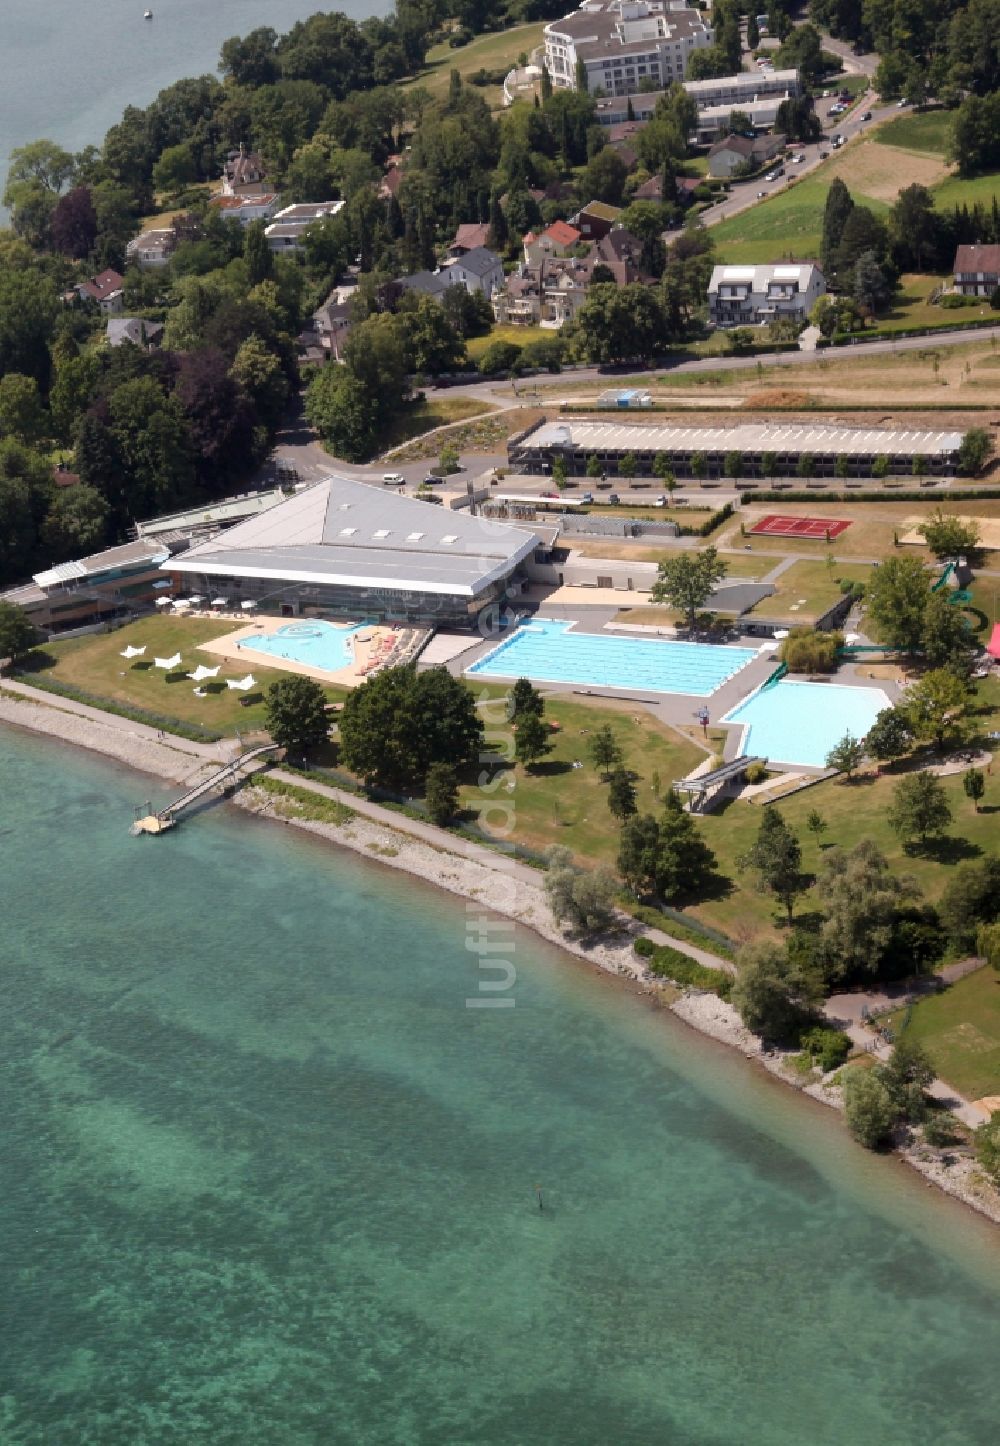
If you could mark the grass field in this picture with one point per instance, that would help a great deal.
(874, 525)
(519, 335)
(560, 804)
(419, 417)
(93, 664)
(807, 589)
(959, 191)
(927, 132)
(790, 224)
(486, 52)
(853, 811)
(960, 1030)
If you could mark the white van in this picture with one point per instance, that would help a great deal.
(393, 479)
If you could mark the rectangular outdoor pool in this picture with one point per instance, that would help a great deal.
(311, 641)
(550, 652)
(801, 722)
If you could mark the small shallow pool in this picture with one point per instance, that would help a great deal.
(550, 652)
(801, 722)
(312, 642)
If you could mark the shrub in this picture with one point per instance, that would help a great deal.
(498, 357)
(668, 963)
(807, 651)
(756, 773)
(645, 948)
(939, 1130)
(828, 1047)
(871, 1112)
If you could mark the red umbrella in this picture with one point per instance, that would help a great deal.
(993, 646)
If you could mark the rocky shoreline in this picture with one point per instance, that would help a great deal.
(499, 892)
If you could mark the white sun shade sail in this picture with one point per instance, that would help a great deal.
(241, 683)
(247, 604)
(201, 673)
(168, 663)
(131, 652)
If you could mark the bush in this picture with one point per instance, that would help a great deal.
(499, 356)
(716, 519)
(953, 301)
(939, 1130)
(871, 1113)
(668, 963)
(645, 948)
(829, 1048)
(546, 354)
(756, 773)
(807, 651)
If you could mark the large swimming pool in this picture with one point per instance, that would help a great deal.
(312, 642)
(551, 652)
(801, 722)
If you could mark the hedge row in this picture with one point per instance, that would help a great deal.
(976, 323)
(192, 731)
(954, 494)
(712, 521)
(668, 963)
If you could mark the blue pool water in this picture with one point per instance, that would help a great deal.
(550, 652)
(313, 642)
(801, 722)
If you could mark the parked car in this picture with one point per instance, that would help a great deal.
(587, 497)
(550, 494)
(772, 175)
(614, 499)
(838, 141)
(393, 479)
(432, 479)
(661, 502)
(867, 116)
(797, 160)
(902, 103)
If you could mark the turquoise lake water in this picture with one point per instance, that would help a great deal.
(802, 722)
(268, 1180)
(70, 67)
(555, 652)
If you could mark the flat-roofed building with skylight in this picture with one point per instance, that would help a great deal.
(763, 450)
(752, 295)
(346, 548)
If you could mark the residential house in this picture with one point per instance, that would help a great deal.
(257, 206)
(105, 290)
(477, 270)
(63, 477)
(392, 179)
(547, 294)
(620, 252)
(152, 250)
(134, 330)
(284, 233)
(595, 220)
(713, 121)
(622, 44)
(652, 190)
(753, 295)
(977, 270)
(729, 156)
(331, 326)
(556, 240)
(244, 174)
(469, 237)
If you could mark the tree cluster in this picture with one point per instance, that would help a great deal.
(399, 723)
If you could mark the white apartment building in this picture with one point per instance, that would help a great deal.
(285, 231)
(738, 91)
(623, 43)
(752, 295)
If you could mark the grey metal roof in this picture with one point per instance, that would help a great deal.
(110, 560)
(343, 531)
(744, 437)
(480, 261)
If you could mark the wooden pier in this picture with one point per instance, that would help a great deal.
(224, 777)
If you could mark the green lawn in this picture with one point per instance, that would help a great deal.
(926, 132)
(560, 804)
(486, 52)
(418, 417)
(519, 335)
(789, 224)
(94, 664)
(806, 590)
(853, 811)
(960, 1030)
(956, 191)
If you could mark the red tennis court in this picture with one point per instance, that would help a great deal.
(775, 525)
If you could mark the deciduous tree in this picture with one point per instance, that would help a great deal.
(687, 581)
(776, 858)
(295, 714)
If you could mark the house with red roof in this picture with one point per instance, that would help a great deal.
(556, 240)
(105, 289)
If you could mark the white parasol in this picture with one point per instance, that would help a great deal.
(247, 604)
(163, 602)
(219, 602)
